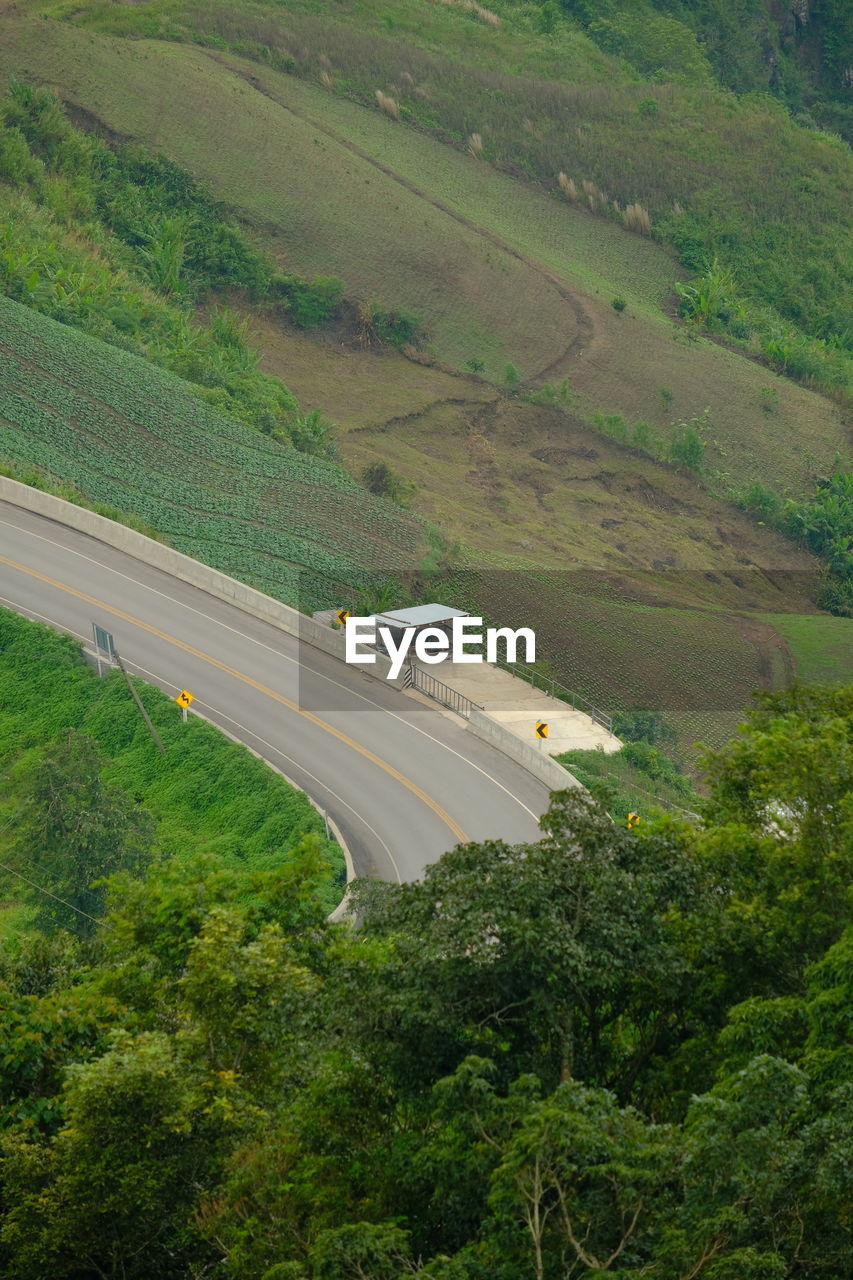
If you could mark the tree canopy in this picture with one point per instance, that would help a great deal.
(610, 1052)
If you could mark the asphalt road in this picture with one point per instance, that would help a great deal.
(402, 781)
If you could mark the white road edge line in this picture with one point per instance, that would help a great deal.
(159, 681)
(286, 657)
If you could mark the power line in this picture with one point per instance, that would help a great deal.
(40, 887)
(55, 896)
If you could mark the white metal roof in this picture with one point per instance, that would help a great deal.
(420, 615)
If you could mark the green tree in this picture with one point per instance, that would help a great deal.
(362, 1249)
(111, 1196)
(765, 1182)
(539, 955)
(74, 830)
(587, 1182)
(779, 827)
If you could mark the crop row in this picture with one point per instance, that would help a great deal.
(134, 437)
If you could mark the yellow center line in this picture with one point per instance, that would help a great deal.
(255, 684)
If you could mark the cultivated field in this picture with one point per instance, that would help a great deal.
(133, 437)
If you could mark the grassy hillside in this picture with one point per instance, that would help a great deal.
(208, 794)
(134, 437)
(498, 271)
(742, 180)
(679, 608)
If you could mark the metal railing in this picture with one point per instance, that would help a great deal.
(427, 684)
(554, 689)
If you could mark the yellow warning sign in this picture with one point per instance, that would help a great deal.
(541, 729)
(184, 698)
(343, 614)
(633, 820)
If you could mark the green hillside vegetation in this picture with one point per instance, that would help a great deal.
(287, 156)
(207, 795)
(639, 778)
(121, 243)
(796, 53)
(746, 184)
(136, 438)
(606, 1042)
(598, 453)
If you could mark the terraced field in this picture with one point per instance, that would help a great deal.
(131, 436)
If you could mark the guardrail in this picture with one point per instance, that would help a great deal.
(554, 689)
(416, 678)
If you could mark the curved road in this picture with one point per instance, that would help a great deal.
(402, 781)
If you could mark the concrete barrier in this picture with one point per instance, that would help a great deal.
(536, 762)
(188, 570)
(259, 605)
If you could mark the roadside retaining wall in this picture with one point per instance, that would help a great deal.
(287, 619)
(188, 570)
(537, 762)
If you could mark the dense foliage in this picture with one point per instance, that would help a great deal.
(797, 52)
(610, 1053)
(206, 794)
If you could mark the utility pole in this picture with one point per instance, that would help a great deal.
(136, 698)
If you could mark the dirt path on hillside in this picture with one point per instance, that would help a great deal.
(581, 316)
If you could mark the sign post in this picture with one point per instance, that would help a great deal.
(183, 700)
(104, 644)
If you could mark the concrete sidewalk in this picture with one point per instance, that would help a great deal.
(517, 706)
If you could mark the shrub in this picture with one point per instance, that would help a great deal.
(642, 724)
(512, 377)
(382, 480)
(642, 436)
(17, 165)
(476, 365)
(686, 446)
(310, 303)
(397, 328)
(314, 434)
(824, 523)
(836, 596)
(618, 304)
(711, 298)
(760, 500)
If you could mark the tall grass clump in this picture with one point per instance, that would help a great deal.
(470, 6)
(389, 105)
(635, 218)
(568, 187)
(475, 145)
